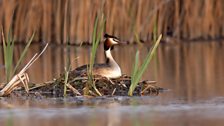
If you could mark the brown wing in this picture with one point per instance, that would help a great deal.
(97, 68)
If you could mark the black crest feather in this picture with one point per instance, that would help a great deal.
(109, 36)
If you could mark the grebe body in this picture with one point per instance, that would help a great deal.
(110, 68)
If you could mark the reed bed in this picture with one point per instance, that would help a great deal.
(55, 20)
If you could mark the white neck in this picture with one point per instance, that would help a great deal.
(108, 55)
(112, 62)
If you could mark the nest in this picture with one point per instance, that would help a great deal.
(80, 86)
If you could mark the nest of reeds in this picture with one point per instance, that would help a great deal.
(77, 86)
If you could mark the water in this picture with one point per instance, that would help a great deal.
(193, 73)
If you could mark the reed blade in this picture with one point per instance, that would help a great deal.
(138, 72)
(21, 58)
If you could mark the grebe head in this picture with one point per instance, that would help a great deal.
(110, 41)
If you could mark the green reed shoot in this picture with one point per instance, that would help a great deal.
(67, 68)
(23, 53)
(137, 71)
(96, 37)
(8, 48)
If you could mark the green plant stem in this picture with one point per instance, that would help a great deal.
(23, 53)
(67, 67)
(138, 71)
(96, 37)
(8, 47)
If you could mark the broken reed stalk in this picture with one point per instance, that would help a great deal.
(137, 71)
(21, 76)
(75, 91)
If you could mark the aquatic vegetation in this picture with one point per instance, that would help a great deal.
(14, 80)
(67, 68)
(8, 47)
(137, 71)
(96, 37)
(22, 77)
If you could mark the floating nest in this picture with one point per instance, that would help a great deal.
(76, 85)
(80, 86)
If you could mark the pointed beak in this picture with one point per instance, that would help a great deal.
(118, 42)
(122, 42)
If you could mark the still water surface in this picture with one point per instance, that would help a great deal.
(193, 73)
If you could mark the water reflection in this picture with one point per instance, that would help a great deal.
(194, 73)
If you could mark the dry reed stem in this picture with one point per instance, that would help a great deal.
(151, 87)
(21, 77)
(75, 91)
(113, 91)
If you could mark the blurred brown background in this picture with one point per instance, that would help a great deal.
(56, 20)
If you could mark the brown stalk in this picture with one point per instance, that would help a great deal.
(21, 77)
(75, 91)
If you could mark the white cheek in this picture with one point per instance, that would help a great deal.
(113, 42)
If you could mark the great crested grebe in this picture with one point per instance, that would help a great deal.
(110, 68)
